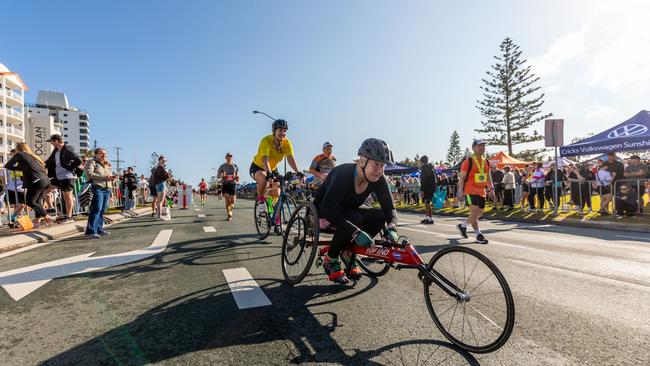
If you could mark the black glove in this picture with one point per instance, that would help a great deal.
(300, 175)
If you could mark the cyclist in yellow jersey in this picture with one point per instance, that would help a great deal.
(273, 148)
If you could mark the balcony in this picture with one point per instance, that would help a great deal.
(13, 113)
(13, 95)
(13, 131)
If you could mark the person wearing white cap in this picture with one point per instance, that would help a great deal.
(474, 179)
(322, 164)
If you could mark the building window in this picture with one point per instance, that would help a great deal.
(83, 117)
(65, 115)
(65, 129)
(65, 135)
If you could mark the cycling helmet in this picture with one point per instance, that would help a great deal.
(280, 123)
(376, 149)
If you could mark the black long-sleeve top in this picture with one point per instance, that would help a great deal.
(337, 192)
(30, 167)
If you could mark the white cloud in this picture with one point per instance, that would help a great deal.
(611, 50)
(567, 47)
(599, 112)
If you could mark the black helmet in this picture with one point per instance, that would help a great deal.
(424, 159)
(376, 149)
(280, 123)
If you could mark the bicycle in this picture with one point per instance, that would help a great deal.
(274, 214)
(487, 302)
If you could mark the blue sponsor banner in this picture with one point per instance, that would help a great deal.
(631, 135)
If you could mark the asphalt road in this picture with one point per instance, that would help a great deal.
(582, 298)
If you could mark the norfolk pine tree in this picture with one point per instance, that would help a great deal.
(509, 107)
(454, 153)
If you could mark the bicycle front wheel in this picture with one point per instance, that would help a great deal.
(481, 318)
(262, 219)
(289, 206)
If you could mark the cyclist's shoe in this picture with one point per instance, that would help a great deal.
(426, 221)
(260, 199)
(354, 270)
(462, 229)
(481, 239)
(334, 271)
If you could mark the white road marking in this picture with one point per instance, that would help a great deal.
(209, 229)
(22, 281)
(197, 209)
(200, 215)
(244, 289)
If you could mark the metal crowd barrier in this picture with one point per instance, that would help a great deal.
(55, 204)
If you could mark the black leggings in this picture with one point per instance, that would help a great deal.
(370, 220)
(539, 192)
(35, 193)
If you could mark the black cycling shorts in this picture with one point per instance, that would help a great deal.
(254, 169)
(476, 200)
(229, 188)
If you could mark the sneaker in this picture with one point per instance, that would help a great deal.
(354, 270)
(104, 233)
(92, 236)
(426, 221)
(334, 271)
(481, 239)
(463, 230)
(67, 220)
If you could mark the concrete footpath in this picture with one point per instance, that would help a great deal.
(58, 231)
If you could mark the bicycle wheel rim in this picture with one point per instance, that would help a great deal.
(262, 224)
(372, 266)
(482, 324)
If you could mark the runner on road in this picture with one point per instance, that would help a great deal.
(203, 191)
(474, 179)
(229, 174)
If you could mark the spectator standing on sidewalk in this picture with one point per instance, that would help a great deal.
(508, 189)
(525, 173)
(159, 181)
(14, 192)
(497, 178)
(416, 190)
(580, 178)
(615, 168)
(635, 173)
(537, 182)
(35, 180)
(130, 187)
(552, 187)
(99, 174)
(428, 184)
(61, 166)
(142, 189)
(604, 184)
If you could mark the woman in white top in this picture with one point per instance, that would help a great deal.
(603, 184)
(537, 183)
(509, 189)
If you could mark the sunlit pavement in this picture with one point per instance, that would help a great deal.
(582, 297)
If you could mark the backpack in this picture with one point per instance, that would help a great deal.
(470, 165)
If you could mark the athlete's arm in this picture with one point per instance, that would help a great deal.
(267, 165)
(292, 162)
(386, 202)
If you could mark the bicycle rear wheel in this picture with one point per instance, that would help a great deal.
(482, 319)
(262, 219)
(300, 243)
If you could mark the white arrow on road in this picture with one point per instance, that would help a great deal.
(22, 281)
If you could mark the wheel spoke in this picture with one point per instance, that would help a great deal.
(481, 283)
(485, 317)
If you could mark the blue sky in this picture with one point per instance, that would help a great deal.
(182, 77)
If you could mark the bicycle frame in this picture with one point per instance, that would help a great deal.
(280, 202)
(402, 256)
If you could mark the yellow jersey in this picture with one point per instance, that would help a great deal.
(267, 148)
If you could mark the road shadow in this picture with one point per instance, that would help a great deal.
(285, 332)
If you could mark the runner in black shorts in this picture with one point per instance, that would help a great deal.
(229, 174)
(476, 200)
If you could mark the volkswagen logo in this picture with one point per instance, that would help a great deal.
(627, 130)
